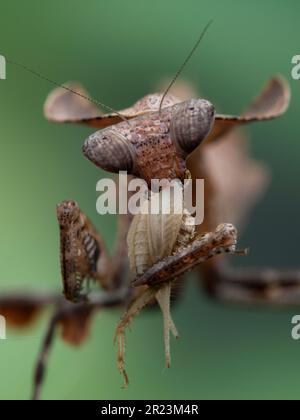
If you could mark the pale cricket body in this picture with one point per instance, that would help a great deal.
(152, 237)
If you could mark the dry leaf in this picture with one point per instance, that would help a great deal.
(76, 326)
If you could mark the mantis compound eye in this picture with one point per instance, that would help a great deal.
(191, 123)
(110, 151)
(67, 212)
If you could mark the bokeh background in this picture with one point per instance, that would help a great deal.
(120, 50)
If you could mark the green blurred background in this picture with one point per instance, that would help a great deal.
(120, 50)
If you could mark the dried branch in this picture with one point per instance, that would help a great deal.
(21, 309)
(43, 356)
(96, 300)
(30, 298)
(252, 285)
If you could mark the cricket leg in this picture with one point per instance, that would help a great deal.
(163, 297)
(41, 365)
(134, 309)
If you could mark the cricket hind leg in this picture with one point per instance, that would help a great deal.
(163, 297)
(134, 309)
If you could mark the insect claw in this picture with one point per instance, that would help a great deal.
(125, 386)
(243, 252)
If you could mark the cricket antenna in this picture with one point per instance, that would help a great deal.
(184, 63)
(94, 101)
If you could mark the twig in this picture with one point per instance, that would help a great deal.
(95, 300)
(32, 298)
(43, 356)
(252, 286)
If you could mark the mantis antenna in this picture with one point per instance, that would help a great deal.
(184, 63)
(94, 101)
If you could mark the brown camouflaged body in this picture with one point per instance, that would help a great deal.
(155, 153)
(152, 146)
(82, 251)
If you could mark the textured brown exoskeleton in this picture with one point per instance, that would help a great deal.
(153, 144)
(82, 252)
(161, 136)
(152, 140)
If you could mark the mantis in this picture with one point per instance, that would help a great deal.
(164, 136)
